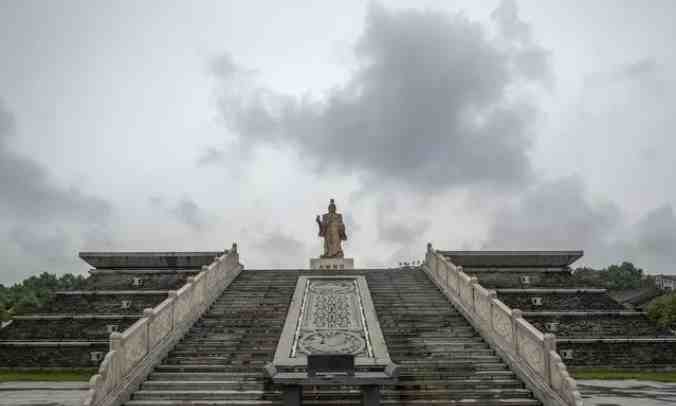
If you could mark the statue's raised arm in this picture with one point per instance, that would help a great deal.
(322, 229)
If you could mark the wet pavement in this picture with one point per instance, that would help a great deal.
(628, 392)
(42, 393)
(595, 393)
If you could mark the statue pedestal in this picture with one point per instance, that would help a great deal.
(331, 264)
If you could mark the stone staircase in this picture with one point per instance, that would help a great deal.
(443, 360)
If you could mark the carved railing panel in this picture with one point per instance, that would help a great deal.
(515, 336)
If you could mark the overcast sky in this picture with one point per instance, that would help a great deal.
(473, 125)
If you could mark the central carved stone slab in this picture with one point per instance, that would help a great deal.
(331, 315)
(332, 321)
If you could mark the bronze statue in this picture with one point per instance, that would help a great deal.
(332, 228)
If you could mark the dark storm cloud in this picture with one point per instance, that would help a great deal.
(555, 215)
(427, 106)
(279, 244)
(211, 156)
(49, 244)
(401, 232)
(639, 69)
(404, 231)
(224, 66)
(29, 194)
(558, 215)
(530, 59)
(656, 238)
(41, 219)
(189, 213)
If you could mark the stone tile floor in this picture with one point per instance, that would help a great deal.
(42, 393)
(627, 393)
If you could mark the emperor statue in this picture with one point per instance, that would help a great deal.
(332, 228)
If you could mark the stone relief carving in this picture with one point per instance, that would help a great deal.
(136, 347)
(332, 319)
(483, 306)
(532, 352)
(331, 342)
(502, 324)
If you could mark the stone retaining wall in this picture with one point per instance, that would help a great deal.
(55, 355)
(86, 329)
(100, 303)
(140, 280)
(631, 354)
(595, 325)
(570, 301)
(521, 278)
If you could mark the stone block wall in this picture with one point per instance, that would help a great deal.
(99, 303)
(570, 301)
(56, 356)
(513, 278)
(572, 325)
(170, 280)
(78, 329)
(644, 355)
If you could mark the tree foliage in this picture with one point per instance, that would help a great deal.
(34, 291)
(623, 276)
(663, 310)
(615, 277)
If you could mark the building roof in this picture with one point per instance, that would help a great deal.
(513, 258)
(667, 277)
(154, 260)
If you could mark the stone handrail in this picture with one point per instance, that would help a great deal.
(527, 349)
(134, 352)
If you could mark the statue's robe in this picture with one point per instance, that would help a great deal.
(332, 229)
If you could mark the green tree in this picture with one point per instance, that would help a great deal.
(623, 276)
(615, 277)
(663, 310)
(35, 291)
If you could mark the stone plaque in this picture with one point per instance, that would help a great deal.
(331, 315)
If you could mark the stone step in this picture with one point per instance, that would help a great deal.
(260, 384)
(404, 378)
(207, 394)
(237, 384)
(313, 402)
(206, 376)
(273, 394)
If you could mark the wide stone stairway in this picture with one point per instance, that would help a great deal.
(443, 360)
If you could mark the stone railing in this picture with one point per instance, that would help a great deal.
(529, 352)
(134, 352)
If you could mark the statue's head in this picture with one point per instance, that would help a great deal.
(332, 206)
